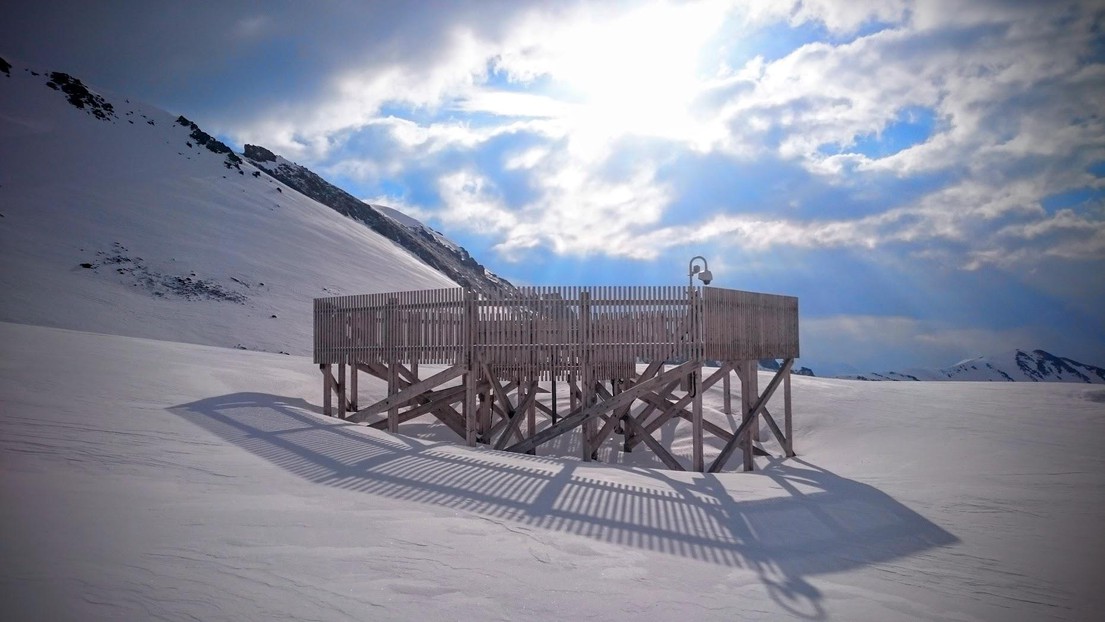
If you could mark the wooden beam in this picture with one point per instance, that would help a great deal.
(727, 450)
(433, 401)
(774, 428)
(662, 453)
(410, 392)
(516, 415)
(576, 419)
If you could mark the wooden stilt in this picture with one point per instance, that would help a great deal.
(697, 460)
(343, 403)
(747, 420)
(471, 409)
(327, 390)
(787, 424)
(393, 388)
(353, 390)
(754, 377)
(531, 417)
(726, 396)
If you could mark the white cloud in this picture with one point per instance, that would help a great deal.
(1014, 108)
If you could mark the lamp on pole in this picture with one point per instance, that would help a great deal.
(702, 271)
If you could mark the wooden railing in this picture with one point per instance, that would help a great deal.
(553, 332)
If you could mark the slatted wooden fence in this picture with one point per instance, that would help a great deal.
(549, 332)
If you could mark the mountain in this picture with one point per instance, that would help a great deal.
(1012, 366)
(775, 364)
(428, 245)
(118, 217)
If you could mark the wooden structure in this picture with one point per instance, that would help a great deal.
(629, 358)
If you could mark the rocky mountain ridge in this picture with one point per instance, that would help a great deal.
(449, 259)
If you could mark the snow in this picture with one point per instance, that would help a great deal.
(76, 190)
(154, 479)
(174, 479)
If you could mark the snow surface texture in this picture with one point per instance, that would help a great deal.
(1012, 366)
(127, 225)
(146, 479)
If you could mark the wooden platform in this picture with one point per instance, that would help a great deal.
(630, 359)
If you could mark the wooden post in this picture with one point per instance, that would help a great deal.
(586, 381)
(727, 396)
(392, 338)
(353, 388)
(327, 390)
(393, 388)
(697, 459)
(343, 403)
(531, 416)
(746, 414)
(787, 416)
(471, 411)
(554, 400)
(754, 378)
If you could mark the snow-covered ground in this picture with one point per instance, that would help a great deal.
(154, 480)
(128, 226)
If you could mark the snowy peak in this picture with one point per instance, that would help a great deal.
(1013, 366)
(118, 217)
(421, 241)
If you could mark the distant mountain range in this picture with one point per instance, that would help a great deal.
(1012, 366)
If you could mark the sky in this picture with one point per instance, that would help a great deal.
(928, 178)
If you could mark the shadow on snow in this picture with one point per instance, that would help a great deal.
(823, 523)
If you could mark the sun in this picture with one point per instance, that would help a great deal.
(637, 73)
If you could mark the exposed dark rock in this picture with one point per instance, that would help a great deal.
(79, 95)
(6, 67)
(213, 144)
(259, 154)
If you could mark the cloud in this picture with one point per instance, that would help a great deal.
(894, 343)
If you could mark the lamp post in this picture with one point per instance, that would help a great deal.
(702, 271)
(695, 378)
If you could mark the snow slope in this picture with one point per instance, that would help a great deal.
(146, 479)
(180, 245)
(1012, 366)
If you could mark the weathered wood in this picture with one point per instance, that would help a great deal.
(574, 334)
(574, 420)
(393, 406)
(727, 396)
(727, 450)
(749, 393)
(774, 427)
(515, 415)
(672, 409)
(353, 389)
(327, 390)
(343, 404)
(400, 397)
(787, 423)
(661, 452)
(430, 402)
